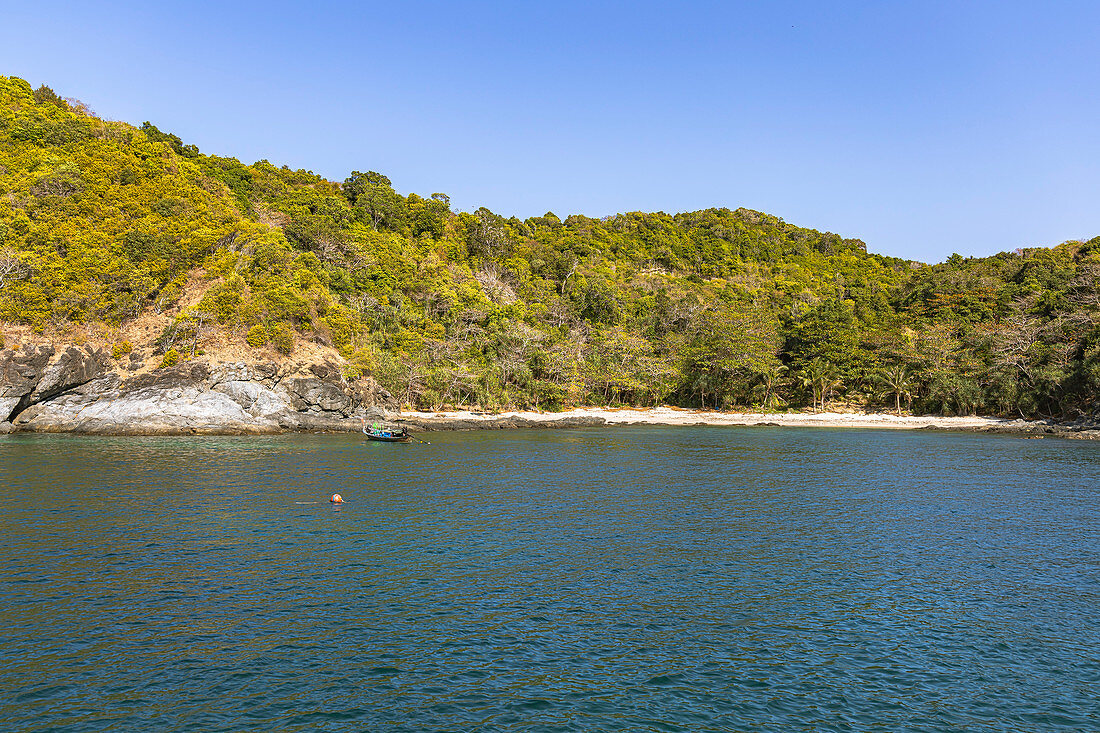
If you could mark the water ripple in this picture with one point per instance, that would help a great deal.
(616, 579)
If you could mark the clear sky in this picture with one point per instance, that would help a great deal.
(923, 128)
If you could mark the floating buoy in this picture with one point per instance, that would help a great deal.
(336, 499)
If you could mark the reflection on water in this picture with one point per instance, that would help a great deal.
(610, 579)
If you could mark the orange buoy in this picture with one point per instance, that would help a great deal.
(336, 499)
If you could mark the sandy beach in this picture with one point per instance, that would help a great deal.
(676, 416)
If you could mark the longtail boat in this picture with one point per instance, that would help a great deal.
(386, 435)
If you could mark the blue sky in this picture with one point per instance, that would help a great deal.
(923, 128)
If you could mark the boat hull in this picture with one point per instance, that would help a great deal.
(388, 438)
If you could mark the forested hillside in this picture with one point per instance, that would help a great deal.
(102, 223)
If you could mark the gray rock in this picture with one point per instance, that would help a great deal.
(72, 368)
(20, 369)
(375, 414)
(185, 374)
(146, 411)
(191, 397)
(256, 399)
(20, 372)
(36, 373)
(372, 393)
(264, 373)
(312, 394)
(5, 428)
(7, 406)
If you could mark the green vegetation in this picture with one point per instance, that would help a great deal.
(102, 222)
(121, 349)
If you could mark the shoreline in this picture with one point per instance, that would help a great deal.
(139, 424)
(87, 391)
(686, 416)
(673, 416)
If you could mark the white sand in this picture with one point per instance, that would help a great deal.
(677, 416)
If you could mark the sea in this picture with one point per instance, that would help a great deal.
(606, 579)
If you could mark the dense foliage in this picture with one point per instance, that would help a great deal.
(101, 222)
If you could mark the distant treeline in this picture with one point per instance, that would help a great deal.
(101, 222)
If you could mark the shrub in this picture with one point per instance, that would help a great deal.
(170, 294)
(344, 326)
(282, 337)
(171, 358)
(121, 349)
(257, 336)
(435, 330)
(223, 300)
(45, 95)
(282, 303)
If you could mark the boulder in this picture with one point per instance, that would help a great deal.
(7, 407)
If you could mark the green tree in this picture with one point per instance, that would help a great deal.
(373, 194)
(897, 381)
(734, 342)
(822, 379)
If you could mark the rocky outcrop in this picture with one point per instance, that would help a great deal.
(35, 374)
(1034, 429)
(81, 390)
(20, 372)
(69, 369)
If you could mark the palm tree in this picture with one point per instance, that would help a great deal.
(828, 382)
(821, 377)
(898, 381)
(767, 379)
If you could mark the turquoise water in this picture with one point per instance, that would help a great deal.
(642, 579)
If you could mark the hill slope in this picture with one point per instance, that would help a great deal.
(129, 237)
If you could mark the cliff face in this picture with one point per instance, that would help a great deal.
(83, 390)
